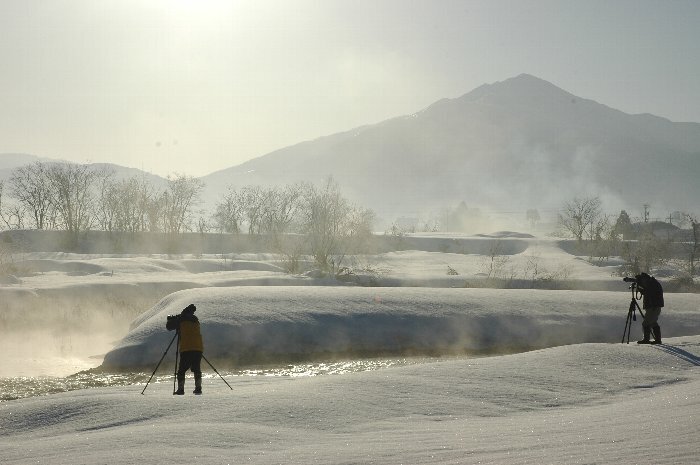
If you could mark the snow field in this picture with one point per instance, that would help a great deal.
(589, 400)
(585, 403)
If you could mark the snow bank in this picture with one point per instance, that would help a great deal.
(253, 324)
(590, 403)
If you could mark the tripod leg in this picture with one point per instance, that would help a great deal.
(630, 317)
(212, 367)
(628, 325)
(629, 328)
(177, 356)
(159, 362)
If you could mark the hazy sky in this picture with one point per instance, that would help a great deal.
(196, 86)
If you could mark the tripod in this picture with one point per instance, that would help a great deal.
(161, 361)
(631, 315)
(177, 350)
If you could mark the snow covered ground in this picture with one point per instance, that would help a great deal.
(580, 397)
(584, 403)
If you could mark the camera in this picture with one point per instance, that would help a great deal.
(173, 322)
(636, 283)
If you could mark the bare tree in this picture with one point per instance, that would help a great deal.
(178, 202)
(647, 252)
(282, 209)
(73, 195)
(326, 210)
(332, 225)
(693, 246)
(2, 206)
(599, 227)
(123, 204)
(108, 204)
(581, 215)
(30, 186)
(229, 212)
(139, 193)
(534, 269)
(253, 200)
(154, 213)
(12, 214)
(203, 225)
(273, 210)
(494, 263)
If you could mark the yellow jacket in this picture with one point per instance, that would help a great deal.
(190, 335)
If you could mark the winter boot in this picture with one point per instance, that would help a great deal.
(657, 335)
(197, 383)
(180, 385)
(647, 333)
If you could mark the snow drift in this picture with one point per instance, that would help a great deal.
(244, 325)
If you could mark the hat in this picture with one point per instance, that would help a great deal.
(189, 309)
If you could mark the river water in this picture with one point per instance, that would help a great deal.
(13, 388)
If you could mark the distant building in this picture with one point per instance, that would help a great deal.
(660, 229)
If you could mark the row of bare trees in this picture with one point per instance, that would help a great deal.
(77, 198)
(298, 219)
(640, 244)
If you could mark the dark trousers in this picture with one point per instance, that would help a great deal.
(191, 359)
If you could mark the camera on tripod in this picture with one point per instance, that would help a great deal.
(173, 322)
(634, 306)
(634, 283)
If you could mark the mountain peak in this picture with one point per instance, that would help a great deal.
(521, 91)
(528, 77)
(527, 84)
(523, 88)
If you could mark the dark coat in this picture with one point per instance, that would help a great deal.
(187, 325)
(651, 290)
(190, 335)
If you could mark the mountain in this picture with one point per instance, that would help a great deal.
(10, 161)
(508, 146)
(516, 144)
(123, 172)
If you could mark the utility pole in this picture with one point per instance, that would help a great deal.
(646, 212)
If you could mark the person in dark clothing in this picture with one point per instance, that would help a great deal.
(191, 348)
(653, 301)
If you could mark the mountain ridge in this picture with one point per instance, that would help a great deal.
(514, 144)
(523, 141)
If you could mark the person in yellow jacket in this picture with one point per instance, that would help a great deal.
(191, 348)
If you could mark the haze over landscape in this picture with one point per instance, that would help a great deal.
(197, 87)
(404, 226)
(512, 145)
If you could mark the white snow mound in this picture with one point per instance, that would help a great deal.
(252, 324)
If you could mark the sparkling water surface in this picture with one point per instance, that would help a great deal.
(27, 386)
